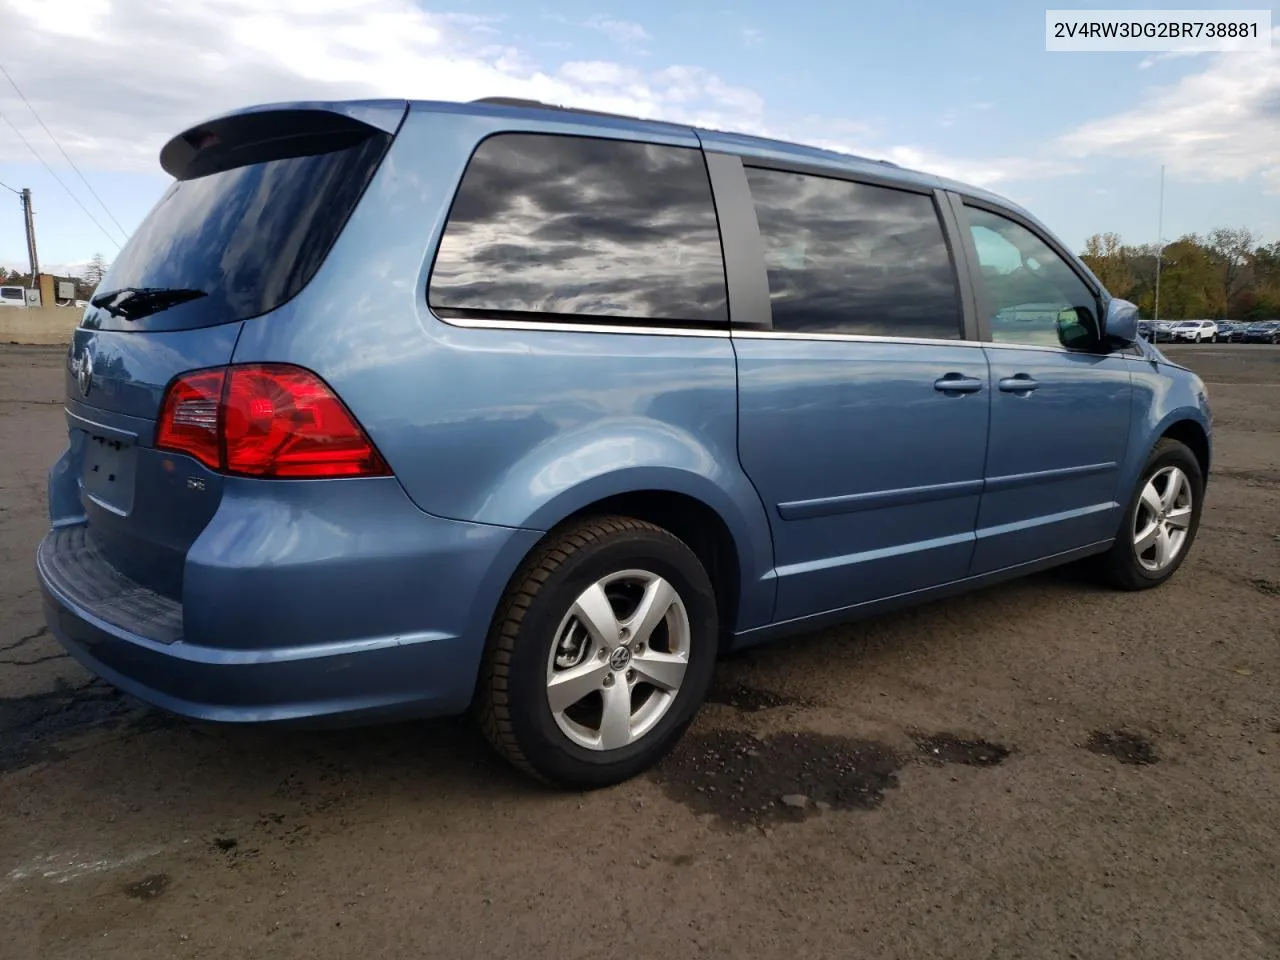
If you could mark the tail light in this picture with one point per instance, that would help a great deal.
(265, 420)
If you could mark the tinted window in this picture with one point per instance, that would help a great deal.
(579, 227)
(1033, 296)
(249, 238)
(11, 293)
(854, 258)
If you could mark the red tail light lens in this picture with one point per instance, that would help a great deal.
(285, 422)
(189, 417)
(272, 420)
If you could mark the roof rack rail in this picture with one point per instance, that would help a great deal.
(540, 105)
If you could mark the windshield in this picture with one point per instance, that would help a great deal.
(246, 239)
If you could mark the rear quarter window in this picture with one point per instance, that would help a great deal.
(579, 228)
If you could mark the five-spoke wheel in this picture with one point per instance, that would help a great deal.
(600, 654)
(618, 660)
(1162, 519)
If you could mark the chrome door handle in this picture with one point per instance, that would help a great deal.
(955, 383)
(1018, 383)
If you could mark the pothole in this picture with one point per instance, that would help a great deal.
(148, 888)
(749, 699)
(948, 748)
(1123, 746)
(745, 780)
(32, 725)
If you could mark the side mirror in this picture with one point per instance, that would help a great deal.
(1121, 322)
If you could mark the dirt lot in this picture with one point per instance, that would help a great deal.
(1044, 769)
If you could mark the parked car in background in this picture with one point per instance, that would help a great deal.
(1164, 331)
(1147, 330)
(1265, 331)
(1195, 331)
(12, 296)
(1227, 331)
(625, 395)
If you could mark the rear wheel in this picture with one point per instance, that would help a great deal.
(1161, 521)
(600, 654)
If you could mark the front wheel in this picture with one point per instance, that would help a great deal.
(600, 654)
(1160, 522)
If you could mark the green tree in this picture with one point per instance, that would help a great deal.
(1231, 252)
(1106, 256)
(1189, 281)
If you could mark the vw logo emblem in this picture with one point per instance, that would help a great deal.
(620, 657)
(84, 373)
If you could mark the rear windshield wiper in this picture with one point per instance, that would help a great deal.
(135, 302)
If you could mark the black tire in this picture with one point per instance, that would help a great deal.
(512, 704)
(1119, 566)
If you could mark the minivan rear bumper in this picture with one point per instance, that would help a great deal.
(127, 635)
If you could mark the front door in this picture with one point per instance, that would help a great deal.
(1060, 404)
(863, 412)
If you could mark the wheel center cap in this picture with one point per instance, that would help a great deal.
(620, 657)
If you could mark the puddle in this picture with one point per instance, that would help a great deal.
(948, 748)
(30, 726)
(743, 780)
(1122, 746)
(749, 699)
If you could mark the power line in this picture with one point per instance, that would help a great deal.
(10, 189)
(55, 176)
(57, 144)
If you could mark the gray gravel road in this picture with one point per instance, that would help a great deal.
(1043, 769)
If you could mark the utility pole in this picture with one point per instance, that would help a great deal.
(31, 235)
(1160, 238)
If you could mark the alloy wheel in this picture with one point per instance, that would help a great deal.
(1163, 519)
(618, 659)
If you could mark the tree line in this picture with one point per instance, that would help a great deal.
(86, 283)
(1227, 274)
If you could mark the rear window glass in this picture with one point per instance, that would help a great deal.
(250, 238)
(11, 293)
(556, 227)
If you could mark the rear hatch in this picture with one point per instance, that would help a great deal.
(257, 201)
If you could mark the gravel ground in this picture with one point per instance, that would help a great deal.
(1043, 769)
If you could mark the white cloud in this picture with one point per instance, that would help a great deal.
(752, 37)
(1148, 62)
(155, 70)
(980, 172)
(1222, 123)
(623, 32)
(114, 79)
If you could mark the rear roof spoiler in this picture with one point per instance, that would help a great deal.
(273, 130)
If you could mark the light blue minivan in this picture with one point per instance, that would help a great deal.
(400, 409)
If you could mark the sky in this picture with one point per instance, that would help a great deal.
(964, 90)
